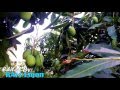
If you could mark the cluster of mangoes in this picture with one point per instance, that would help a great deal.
(33, 58)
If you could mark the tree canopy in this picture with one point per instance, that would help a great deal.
(75, 47)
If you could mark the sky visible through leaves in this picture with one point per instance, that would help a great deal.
(20, 48)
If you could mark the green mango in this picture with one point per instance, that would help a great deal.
(30, 61)
(26, 16)
(95, 19)
(71, 31)
(39, 60)
(26, 53)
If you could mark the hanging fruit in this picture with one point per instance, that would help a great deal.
(26, 53)
(95, 19)
(26, 15)
(71, 31)
(30, 60)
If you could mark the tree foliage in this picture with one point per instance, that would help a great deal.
(92, 30)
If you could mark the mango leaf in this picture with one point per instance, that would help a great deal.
(112, 32)
(65, 13)
(103, 50)
(114, 43)
(1, 74)
(91, 68)
(107, 19)
(54, 21)
(31, 29)
(95, 25)
(107, 73)
(13, 53)
(7, 60)
(60, 26)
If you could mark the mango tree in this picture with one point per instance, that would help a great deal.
(75, 47)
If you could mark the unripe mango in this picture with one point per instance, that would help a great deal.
(71, 31)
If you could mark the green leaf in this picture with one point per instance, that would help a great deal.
(89, 69)
(114, 43)
(7, 59)
(60, 26)
(54, 21)
(65, 13)
(67, 40)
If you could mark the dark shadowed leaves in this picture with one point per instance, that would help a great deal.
(107, 19)
(107, 73)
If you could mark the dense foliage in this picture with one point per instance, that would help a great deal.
(75, 47)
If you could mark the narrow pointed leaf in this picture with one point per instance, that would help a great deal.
(13, 53)
(21, 33)
(60, 26)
